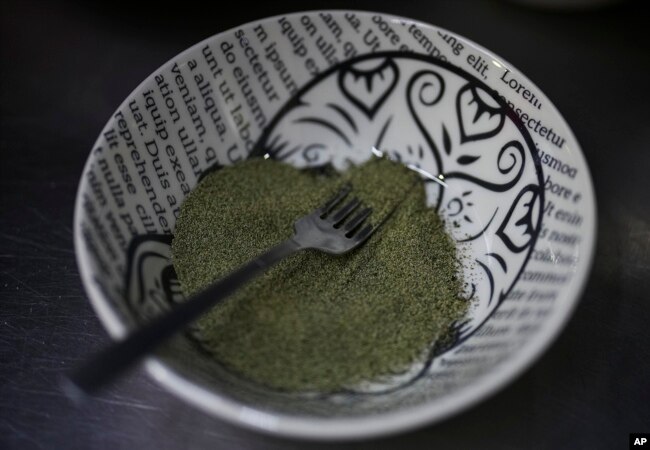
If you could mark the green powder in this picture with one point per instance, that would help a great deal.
(316, 321)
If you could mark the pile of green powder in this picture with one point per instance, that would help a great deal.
(316, 321)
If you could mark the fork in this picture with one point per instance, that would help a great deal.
(325, 229)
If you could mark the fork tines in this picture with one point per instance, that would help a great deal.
(338, 217)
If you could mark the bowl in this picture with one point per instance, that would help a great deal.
(498, 161)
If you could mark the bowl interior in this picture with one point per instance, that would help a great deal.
(498, 161)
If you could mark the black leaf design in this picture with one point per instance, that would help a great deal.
(446, 141)
(150, 276)
(467, 159)
(369, 100)
(525, 209)
(477, 118)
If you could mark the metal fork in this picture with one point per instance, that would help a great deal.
(325, 229)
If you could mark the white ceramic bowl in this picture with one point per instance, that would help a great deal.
(499, 163)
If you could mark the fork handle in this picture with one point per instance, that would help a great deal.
(106, 365)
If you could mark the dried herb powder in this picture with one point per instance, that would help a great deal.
(317, 322)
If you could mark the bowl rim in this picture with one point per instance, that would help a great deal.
(351, 427)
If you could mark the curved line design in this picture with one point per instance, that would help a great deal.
(500, 260)
(382, 132)
(471, 238)
(454, 201)
(135, 270)
(490, 278)
(495, 186)
(346, 116)
(325, 124)
(308, 150)
(409, 100)
(288, 153)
